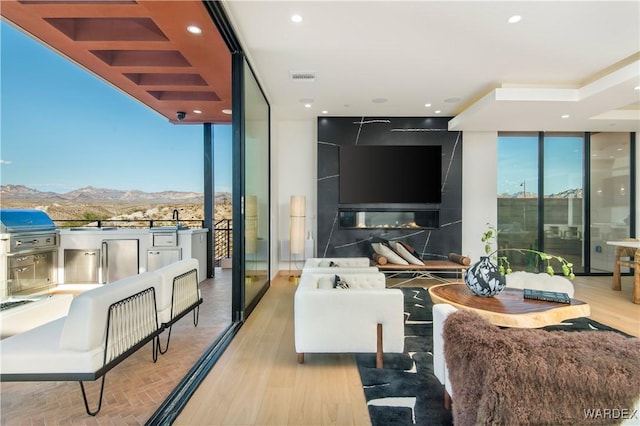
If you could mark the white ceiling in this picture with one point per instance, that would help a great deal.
(580, 58)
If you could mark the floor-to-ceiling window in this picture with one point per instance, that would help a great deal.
(562, 204)
(518, 195)
(584, 204)
(256, 187)
(610, 196)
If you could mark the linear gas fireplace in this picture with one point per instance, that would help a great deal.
(376, 219)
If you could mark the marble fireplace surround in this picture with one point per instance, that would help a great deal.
(337, 238)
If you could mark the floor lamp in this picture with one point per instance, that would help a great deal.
(251, 230)
(296, 230)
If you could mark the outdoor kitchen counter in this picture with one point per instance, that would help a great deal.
(192, 243)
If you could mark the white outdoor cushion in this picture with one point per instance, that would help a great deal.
(38, 351)
(392, 257)
(165, 291)
(85, 325)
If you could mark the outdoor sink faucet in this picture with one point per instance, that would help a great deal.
(175, 217)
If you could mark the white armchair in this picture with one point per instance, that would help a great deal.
(367, 317)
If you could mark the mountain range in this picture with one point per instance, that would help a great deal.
(89, 194)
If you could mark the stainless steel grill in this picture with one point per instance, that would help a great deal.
(28, 250)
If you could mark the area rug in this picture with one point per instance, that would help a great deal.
(405, 391)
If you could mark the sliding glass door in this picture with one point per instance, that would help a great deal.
(563, 204)
(518, 195)
(586, 182)
(251, 190)
(610, 196)
(256, 187)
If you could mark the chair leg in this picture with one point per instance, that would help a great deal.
(615, 282)
(301, 358)
(86, 403)
(636, 282)
(447, 400)
(379, 362)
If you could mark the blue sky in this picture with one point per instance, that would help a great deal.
(518, 164)
(62, 128)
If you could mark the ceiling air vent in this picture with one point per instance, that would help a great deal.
(303, 76)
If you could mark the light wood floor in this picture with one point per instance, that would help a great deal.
(257, 381)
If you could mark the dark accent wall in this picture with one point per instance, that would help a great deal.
(334, 132)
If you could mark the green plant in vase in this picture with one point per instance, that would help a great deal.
(490, 237)
(486, 278)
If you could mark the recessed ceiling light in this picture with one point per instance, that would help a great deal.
(636, 88)
(514, 19)
(437, 111)
(427, 105)
(197, 111)
(296, 18)
(307, 105)
(194, 29)
(324, 111)
(226, 111)
(565, 116)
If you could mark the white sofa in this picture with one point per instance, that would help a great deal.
(541, 281)
(330, 265)
(331, 320)
(103, 327)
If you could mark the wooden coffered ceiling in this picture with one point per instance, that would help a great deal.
(141, 47)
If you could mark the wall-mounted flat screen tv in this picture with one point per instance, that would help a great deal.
(391, 174)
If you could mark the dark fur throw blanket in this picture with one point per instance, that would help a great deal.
(537, 377)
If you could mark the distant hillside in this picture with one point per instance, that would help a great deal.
(113, 204)
(569, 193)
(89, 193)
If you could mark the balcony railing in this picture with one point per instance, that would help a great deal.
(222, 240)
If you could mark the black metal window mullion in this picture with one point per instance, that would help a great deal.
(238, 183)
(540, 222)
(633, 198)
(586, 198)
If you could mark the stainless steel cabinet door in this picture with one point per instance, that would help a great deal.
(81, 266)
(119, 259)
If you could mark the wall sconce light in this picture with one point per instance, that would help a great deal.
(296, 230)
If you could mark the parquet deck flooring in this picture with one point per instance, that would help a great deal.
(135, 388)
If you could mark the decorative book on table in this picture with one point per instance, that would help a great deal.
(547, 296)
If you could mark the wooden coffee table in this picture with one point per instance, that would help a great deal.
(509, 308)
